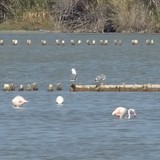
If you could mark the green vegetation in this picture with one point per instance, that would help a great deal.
(82, 15)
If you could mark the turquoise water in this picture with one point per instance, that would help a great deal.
(83, 128)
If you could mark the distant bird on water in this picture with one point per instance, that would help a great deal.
(59, 100)
(100, 79)
(73, 75)
(18, 101)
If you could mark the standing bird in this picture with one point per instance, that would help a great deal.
(100, 79)
(18, 101)
(73, 75)
(122, 112)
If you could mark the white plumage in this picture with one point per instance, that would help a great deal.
(59, 100)
(18, 101)
(73, 75)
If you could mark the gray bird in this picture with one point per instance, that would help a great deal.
(100, 79)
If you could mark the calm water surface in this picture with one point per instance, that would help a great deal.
(83, 128)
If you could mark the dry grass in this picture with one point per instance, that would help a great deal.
(87, 16)
(33, 20)
(130, 16)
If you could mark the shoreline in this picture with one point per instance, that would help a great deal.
(58, 32)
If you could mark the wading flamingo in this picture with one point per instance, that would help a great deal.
(18, 101)
(122, 112)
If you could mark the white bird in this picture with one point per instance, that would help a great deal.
(29, 42)
(73, 75)
(1, 42)
(43, 42)
(59, 100)
(122, 112)
(79, 42)
(72, 42)
(14, 41)
(63, 42)
(18, 101)
(100, 79)
(57, 41)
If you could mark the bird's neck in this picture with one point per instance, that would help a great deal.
(129, 113)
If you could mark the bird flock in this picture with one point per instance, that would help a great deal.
(120, 112)
(63, 42)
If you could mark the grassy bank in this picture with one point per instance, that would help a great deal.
(83, 15)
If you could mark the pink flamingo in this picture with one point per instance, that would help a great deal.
(122, 112)
(18, 101)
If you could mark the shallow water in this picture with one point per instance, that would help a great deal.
(83, 127)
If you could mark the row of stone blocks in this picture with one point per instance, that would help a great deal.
(29, 87)
(82, 88)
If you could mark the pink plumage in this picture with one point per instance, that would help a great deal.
(122, 112)
(18, 101)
